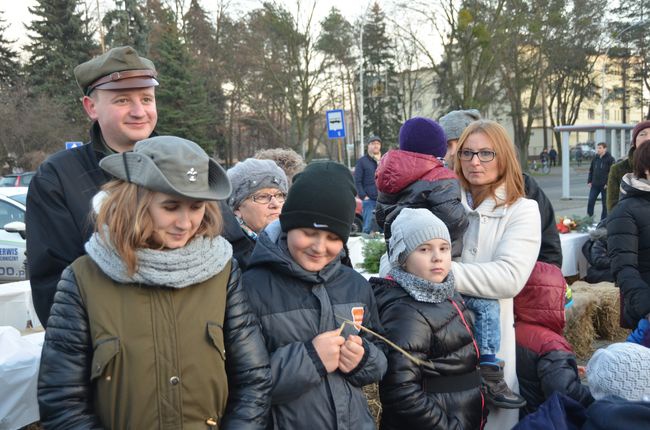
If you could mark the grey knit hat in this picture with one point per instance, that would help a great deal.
(251, 175)
(456, 121)
(411, 228)
(622, 369)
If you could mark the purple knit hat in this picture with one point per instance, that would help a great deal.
(637, 129)
(423, 135)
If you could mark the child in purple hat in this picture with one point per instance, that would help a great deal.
(414, 176)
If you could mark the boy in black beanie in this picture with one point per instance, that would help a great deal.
(302, 294)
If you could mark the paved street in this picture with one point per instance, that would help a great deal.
(577, 205)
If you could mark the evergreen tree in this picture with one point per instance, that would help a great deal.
(9, 65)
(207, 59)
(182, 103)
(126, 25)
(380, 87)
(59, 42)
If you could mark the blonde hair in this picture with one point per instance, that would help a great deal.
(125, 212)
(509, 170)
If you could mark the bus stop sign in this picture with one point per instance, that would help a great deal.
(335, 124)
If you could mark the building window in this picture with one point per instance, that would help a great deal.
(434, 104)
(607, 114)
(417, 105)
(591, 114)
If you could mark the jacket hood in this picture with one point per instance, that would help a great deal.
(631, 186)
(271, 249)
(541, 302)
(398, 169)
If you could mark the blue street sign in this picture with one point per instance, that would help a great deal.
(335, 123)
(70, 145)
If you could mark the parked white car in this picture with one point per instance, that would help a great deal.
(12, 243)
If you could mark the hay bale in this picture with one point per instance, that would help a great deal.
(372, 395)
(607, 312)
(579, 330)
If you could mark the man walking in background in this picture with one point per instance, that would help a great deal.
(597, 180)
(364, 180)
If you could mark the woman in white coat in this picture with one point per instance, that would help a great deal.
(502, 242)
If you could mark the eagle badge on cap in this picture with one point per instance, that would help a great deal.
(191, 175)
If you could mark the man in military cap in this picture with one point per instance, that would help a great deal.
(119, 97)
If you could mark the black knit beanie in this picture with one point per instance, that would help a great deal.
(321, 197)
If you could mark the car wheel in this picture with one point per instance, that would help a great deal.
(357, 226)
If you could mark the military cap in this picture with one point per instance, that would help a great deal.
(118, 68)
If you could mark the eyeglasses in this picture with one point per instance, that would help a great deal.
(265, 198)
(483, 155)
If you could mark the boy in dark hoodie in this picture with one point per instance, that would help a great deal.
(302, 293)
(545, 361)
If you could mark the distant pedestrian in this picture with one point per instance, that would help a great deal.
(553, 156)
(543, 156)
(578, 155)
(364, 180)
(597, 180)
(640, 134)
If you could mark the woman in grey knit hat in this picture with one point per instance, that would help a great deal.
(259, 188)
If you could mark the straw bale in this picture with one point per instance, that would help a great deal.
(607, 311)
(579, 330)
(372, 395)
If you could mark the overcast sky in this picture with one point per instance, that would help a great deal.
(16, 14)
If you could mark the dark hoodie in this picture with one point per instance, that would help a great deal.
(294, 306)
(545, 361)
(628, 241)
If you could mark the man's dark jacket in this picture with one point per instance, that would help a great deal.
(364, 177)
(599, 170)
(551, 249)
(58, 216)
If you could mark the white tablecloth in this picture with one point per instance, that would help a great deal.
(573, 262)
(19, 361)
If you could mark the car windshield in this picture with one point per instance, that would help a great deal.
(7, 181)
(20, 198)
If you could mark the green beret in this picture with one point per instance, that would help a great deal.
(118, 68)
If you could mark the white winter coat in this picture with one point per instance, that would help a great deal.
(500, 248)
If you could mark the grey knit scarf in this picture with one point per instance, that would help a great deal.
(421, 289)
(198, 261)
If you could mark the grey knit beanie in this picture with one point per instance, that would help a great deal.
(622, 369)
(456, 121)
(411, 228)
(251, 175)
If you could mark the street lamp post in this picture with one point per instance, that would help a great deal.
(359, 150)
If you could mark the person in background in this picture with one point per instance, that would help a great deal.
(118, 89)
(640, 134)
(422, 312)
(152, 328)
(595, 251)
(303, 293)
(546, 362)
(259, 189)
(287, 159)
(453, 125)
(628, 239)
(551, 250)
(364, 180)
(597, 179)
(500, 248)
(552, 154)
(543, 156)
